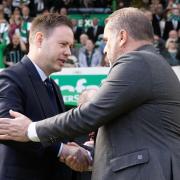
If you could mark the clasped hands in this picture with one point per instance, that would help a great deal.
(76, 157)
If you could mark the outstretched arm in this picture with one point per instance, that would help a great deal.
(15, 128)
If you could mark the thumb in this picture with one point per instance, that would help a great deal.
(15, 114)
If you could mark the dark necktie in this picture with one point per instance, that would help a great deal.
(54, 105)
(52, 95)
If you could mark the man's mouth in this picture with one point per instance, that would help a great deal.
(62, 61)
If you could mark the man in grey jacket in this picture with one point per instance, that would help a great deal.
(137, 109)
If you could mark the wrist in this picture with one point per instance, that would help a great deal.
(64, 153)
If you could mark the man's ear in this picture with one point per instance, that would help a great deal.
(123, 36)
(39, 39)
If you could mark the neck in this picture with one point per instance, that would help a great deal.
(35, 58)
(134, 44)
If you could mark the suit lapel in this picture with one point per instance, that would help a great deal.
(39, 87)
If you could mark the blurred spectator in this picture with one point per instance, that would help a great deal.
(83, 39)
(7, 5)
(120, 4)
(172, 48)
(26, 14)
(148, 14)
(68, 3)
(14, 51)
(63, 11)
(95, 30)
(158, 21)
(173, 22)
(25, 25)
(87, 3)
(100, 43)
(4, 26)
(19, 3)
(16, 11)
(77, 30)
(173, 34)
(71, 62)
(79, 47)
(14, 24)
(159, 44)
(4, 38)
(39, 6)
(178, 52)
(90, 57)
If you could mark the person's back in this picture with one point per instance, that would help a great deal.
(145, 129)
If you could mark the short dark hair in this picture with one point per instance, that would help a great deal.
(133, 21)
(46, 23)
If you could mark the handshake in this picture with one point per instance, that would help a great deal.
(76, 157)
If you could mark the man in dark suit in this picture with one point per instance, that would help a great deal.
(95, 30)
(156, 20)
(27, 88)
(76, 30)
(137, 109)
(173, 23)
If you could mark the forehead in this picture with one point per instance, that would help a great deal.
(107, 31)
(63, 33)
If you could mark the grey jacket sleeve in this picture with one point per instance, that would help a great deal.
(128, 85)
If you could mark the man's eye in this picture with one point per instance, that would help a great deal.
(62, 44)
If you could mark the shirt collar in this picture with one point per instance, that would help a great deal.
(40, 72)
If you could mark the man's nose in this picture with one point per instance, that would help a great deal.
(105, 49)
(68, 51)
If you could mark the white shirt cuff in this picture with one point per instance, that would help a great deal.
(60, 150)
(31, 133)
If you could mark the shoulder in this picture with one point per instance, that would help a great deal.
(141, 56)
(139, 62)
(14, 73)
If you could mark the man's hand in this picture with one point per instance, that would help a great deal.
(75, 157)
(14, 129)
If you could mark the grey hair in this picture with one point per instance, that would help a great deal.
(133, 21)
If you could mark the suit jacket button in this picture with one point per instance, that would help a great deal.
(140, 157)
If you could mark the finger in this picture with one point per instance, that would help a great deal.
(3, 131)
(5, 137)
(80, 162)
(4, 121)
(69, 160)
(73, 162)
(15, 114)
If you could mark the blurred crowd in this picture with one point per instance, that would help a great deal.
(16, 17)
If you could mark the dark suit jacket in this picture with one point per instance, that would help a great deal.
(92, 36)
(168, 27)
(137, 110)
(77, 33)
(156, 25)
(22, 89)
